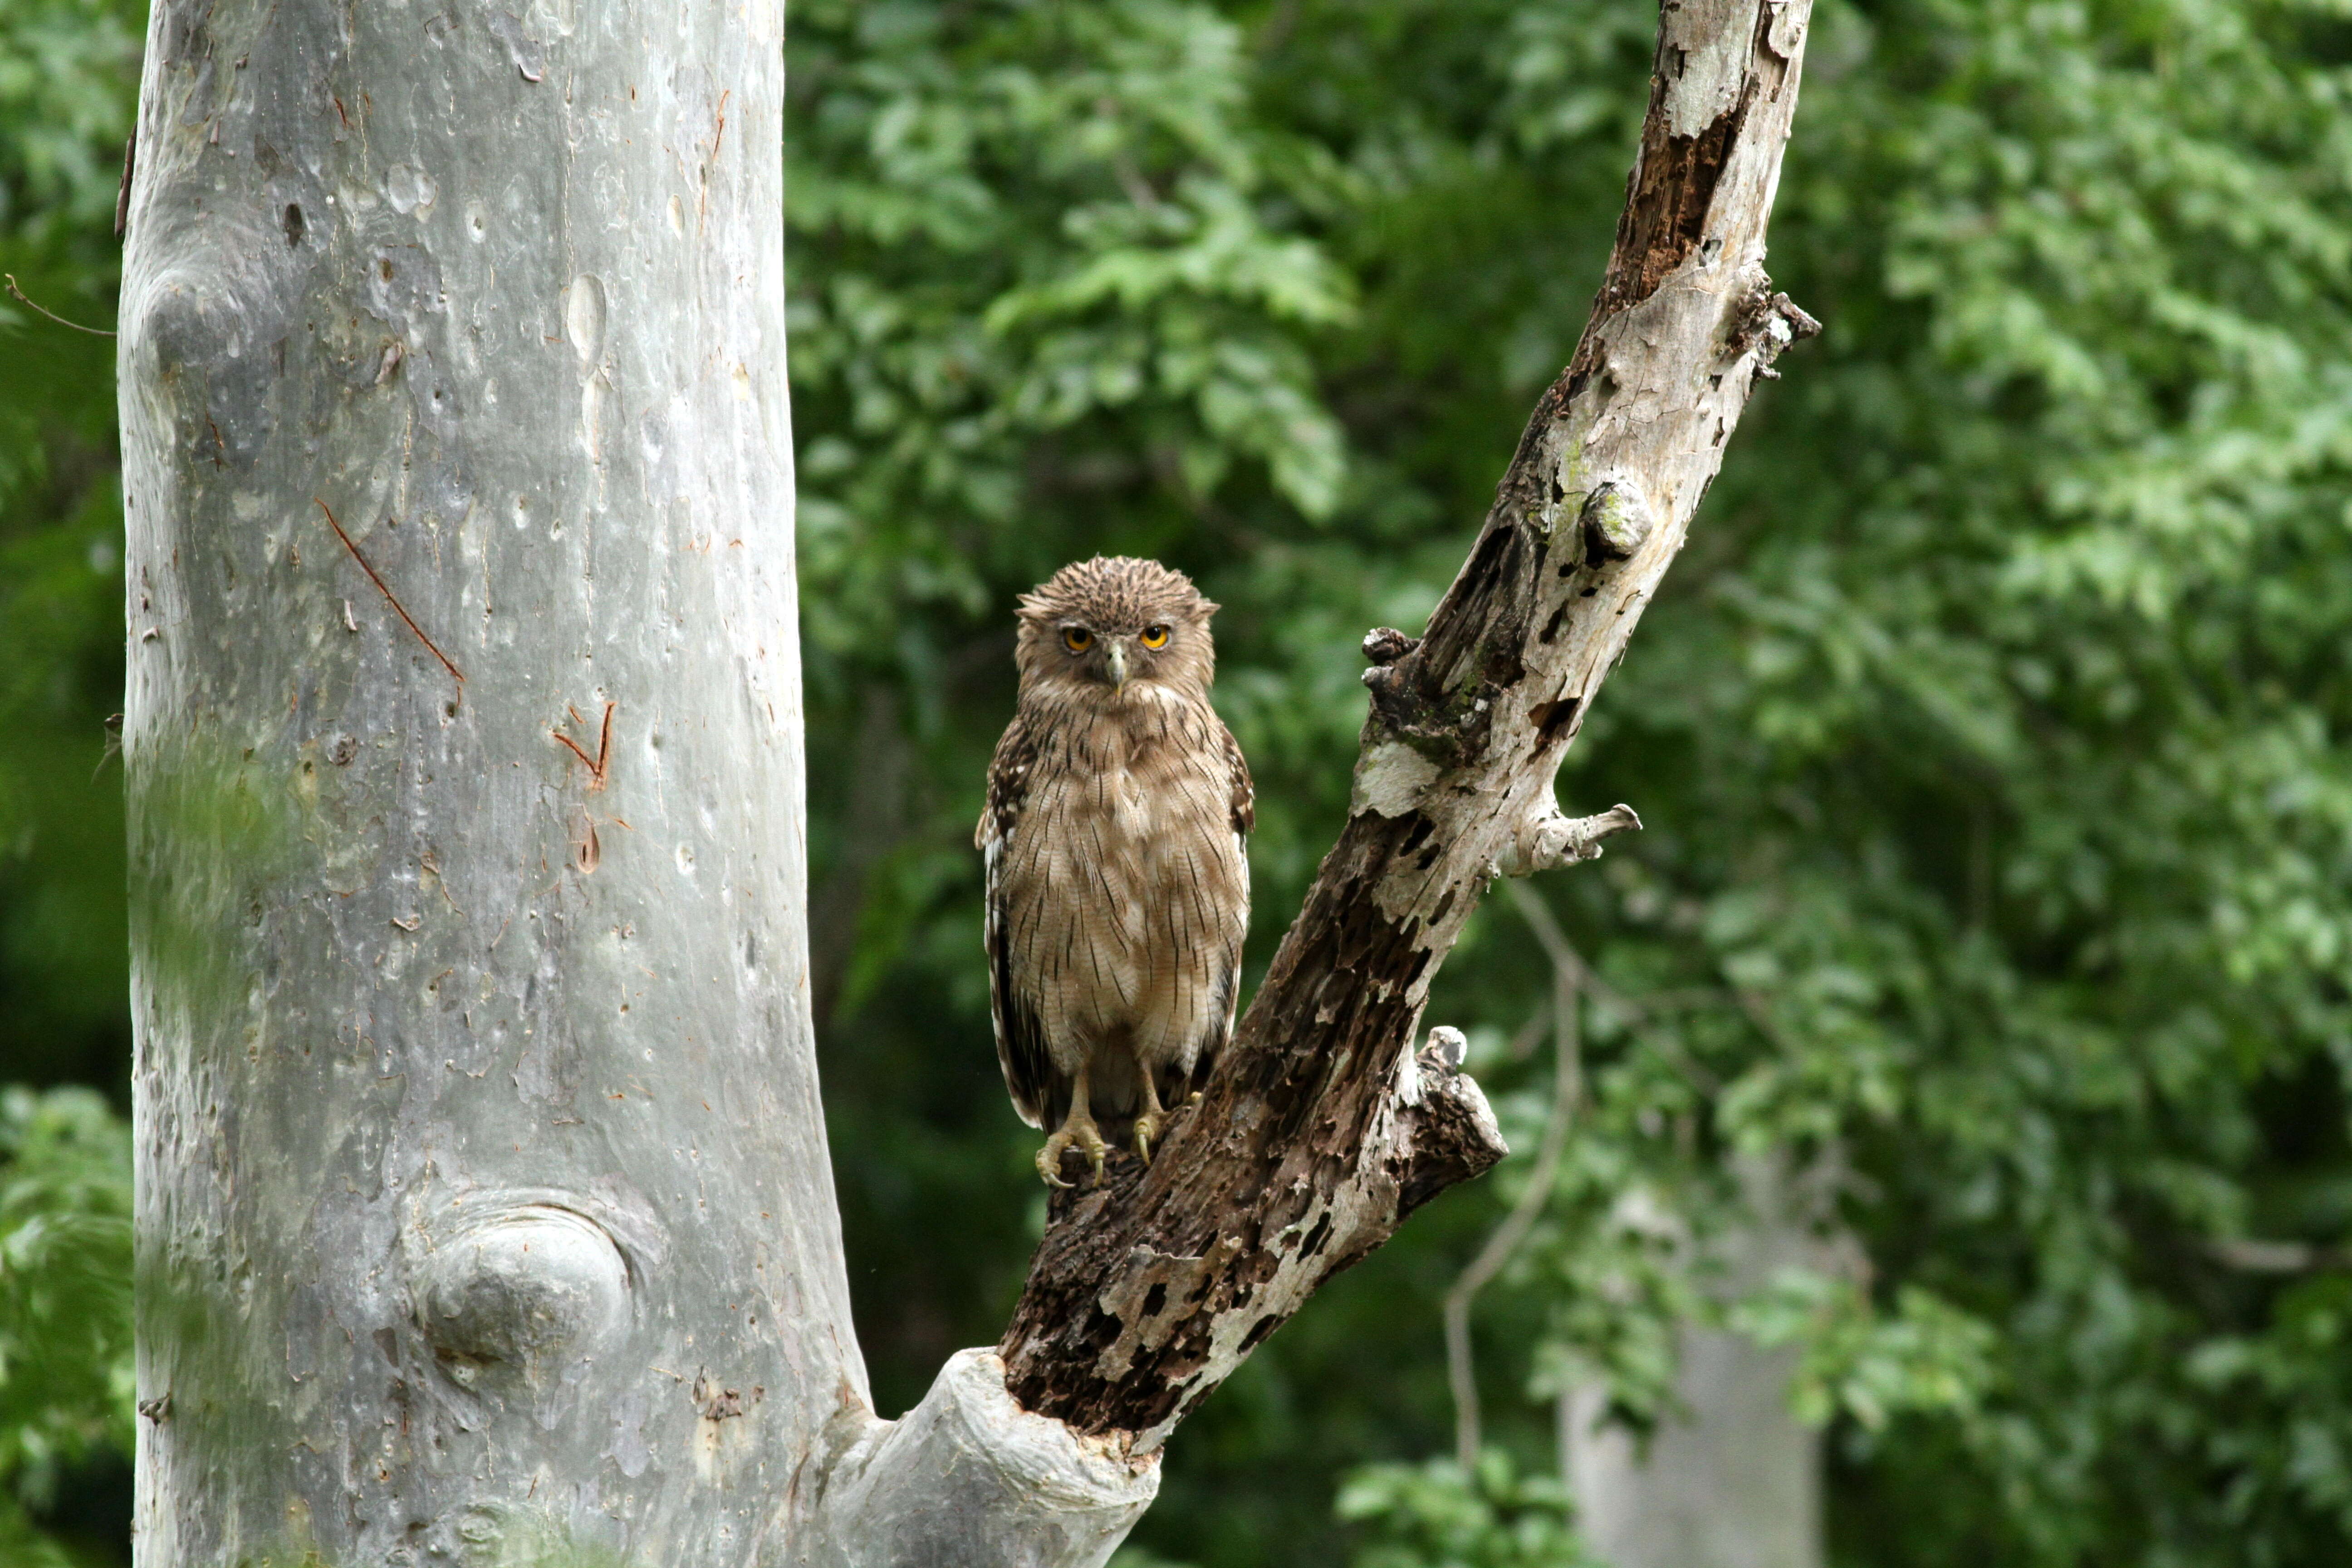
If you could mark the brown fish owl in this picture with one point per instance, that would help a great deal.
(1118, 820)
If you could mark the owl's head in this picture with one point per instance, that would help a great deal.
(1115, 627)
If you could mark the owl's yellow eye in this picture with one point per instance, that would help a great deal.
(1077, 639)
(1154, 637)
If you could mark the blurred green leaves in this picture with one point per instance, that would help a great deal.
(1437, 1515)
(63, 113)
(68, 70)
(1991, 734)
(67, 73)
(1923, 1355)
(1028, 236)
(65, 1296)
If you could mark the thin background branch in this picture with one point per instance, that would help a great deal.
(52, 315)
(1569, 976)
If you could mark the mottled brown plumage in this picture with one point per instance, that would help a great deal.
(1116, 832)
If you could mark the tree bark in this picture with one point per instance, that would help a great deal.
(483, 1193)
(484, 1198)
(1321, 1130)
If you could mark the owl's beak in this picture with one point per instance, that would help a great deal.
(1116, 656)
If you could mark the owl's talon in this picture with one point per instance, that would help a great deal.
(1049, 1159)
(1146, 1132)
(1077, 1132)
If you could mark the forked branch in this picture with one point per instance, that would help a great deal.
(1321, 1128)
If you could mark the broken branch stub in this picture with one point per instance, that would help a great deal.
(1321, 1130)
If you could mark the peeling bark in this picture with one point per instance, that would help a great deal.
(1321, 1130)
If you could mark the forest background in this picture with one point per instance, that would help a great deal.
(1990, 735)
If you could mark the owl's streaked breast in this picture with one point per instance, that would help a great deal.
(1125, 883)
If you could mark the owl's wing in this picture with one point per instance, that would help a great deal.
(1241, 798)
(1244, 793)
(1029, 1075)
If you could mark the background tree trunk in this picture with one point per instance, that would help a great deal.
(1729, 1479)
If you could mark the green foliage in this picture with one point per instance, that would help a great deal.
(1030, 249)
(65, 1298)
(1438, 1515)
(2010, 795)
(68, 71)
(1922, 1354)
(1990, 735)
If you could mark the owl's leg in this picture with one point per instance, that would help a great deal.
(1077, 1131)
(1147, 1122)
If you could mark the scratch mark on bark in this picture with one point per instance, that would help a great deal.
(389, 597)
(596, 764)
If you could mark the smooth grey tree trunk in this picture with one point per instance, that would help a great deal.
(1730, 1479)
(484, 1203)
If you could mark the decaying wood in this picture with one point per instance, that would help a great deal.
(1323, 1130)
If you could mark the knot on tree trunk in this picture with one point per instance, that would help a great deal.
(1768, 322)
(1616, 521)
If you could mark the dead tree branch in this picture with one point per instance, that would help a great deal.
(36, 306)
(2250, 1255)
(1322, 1130)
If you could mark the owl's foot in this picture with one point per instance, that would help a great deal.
(1077, 1132)
(1147, 1133)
